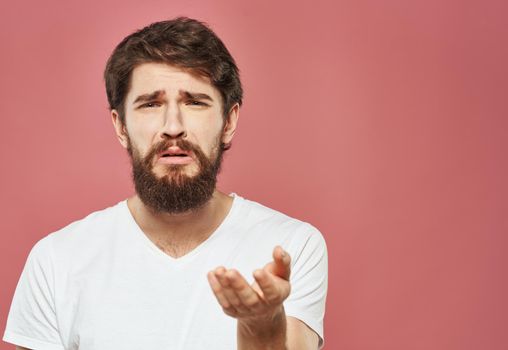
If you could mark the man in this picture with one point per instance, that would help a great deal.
(179, 265)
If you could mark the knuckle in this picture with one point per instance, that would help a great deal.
(224, 303)
(229, 309)
(251, 302)
(271, 298)
(236, 302)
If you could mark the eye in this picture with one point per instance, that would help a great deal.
(150, 105)
(196, 103)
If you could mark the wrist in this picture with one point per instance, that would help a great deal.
(265, 329)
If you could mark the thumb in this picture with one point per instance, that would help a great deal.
(281, 264)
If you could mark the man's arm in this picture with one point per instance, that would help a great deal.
(300, 336)
(296, 336)
(21, 348)
(262, 322)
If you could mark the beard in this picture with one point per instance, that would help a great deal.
(175, 192)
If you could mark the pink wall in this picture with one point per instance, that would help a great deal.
(384, 123)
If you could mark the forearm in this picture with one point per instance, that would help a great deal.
(267, 335)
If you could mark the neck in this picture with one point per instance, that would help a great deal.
(177, 234)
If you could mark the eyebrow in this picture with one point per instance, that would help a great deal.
(160, 93)
(149, 97)
(196, 95)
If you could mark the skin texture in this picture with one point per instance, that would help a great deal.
(172, 113)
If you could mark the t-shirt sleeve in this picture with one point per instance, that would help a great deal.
(309, 282)
(32, 321)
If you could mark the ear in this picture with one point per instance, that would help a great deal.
(231, 123)
(121, 132)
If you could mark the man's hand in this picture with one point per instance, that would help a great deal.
(257, 307)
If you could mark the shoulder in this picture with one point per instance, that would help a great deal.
(254, 216)
(77, 236)
(257, 213)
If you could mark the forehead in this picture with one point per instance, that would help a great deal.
(149, 77)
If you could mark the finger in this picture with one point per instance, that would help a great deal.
(282, 263)
(245, 293)
(266, 282)
(228, 291)
(217, 290)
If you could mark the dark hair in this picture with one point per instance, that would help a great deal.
(183, 42)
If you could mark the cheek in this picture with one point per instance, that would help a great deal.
(142, 136)
(208, 139)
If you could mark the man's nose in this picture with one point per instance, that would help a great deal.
(173, 126)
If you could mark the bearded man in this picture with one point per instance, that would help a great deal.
(179, 265)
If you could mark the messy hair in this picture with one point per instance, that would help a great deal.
(182, 42)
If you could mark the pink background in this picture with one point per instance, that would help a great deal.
(383, 123)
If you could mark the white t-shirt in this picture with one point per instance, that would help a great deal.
(101, 284)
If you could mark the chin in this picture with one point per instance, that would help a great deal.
(174, 170)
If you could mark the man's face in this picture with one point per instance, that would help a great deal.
(174, 129)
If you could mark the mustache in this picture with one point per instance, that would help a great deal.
(184, 145)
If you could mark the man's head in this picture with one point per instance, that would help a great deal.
(174, 94)
(181, 42)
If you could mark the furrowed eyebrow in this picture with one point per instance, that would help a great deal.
(196, 96)
(149, 97)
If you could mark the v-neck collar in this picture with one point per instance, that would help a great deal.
(144, 240)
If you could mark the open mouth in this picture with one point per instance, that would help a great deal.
(175, 155)
(175, 152)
